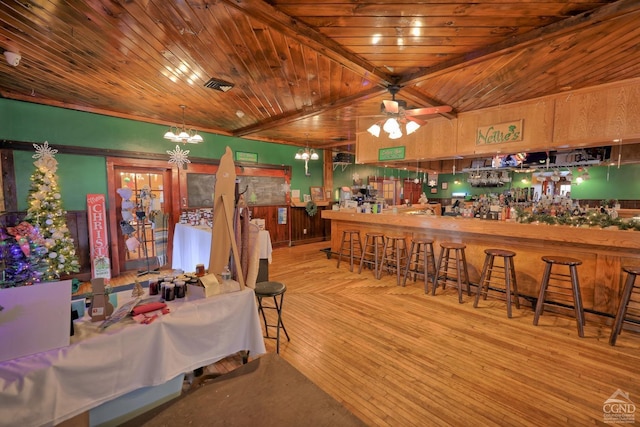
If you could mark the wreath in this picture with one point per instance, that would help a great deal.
(311, 208)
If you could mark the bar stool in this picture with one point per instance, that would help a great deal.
(506, 272)
(448, 264)
(555, 281)
(371, 253)
(423, 260)
(350, 238)
(394, 255)
(627, 292)
(272, 290)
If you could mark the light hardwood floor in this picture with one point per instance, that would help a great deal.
(397, 357)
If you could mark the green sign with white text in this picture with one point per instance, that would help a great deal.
(392, 153)
(242, 156)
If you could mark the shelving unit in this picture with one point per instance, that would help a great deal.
(343, 165)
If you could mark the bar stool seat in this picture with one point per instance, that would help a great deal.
(372, 253)
(626, 302)
(422, 261)
(272, 290)
(448, 265)
(394, 256)
(506, 272)
(554, 285)
(348, 245)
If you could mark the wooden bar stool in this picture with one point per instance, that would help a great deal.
(350, 239)
(507, 274)
(422, 261)
(555, 286)
(448, 264)
(394, 255)
(272, 290)
(625, 299)
(372, 252)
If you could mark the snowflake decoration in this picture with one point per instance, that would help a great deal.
(44, 151)
(355, 176)
(285, 188)
(178, 156)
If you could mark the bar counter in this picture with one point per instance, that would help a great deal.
(602, 251)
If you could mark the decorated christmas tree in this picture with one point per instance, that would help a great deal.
(23, 256)
(46, 214)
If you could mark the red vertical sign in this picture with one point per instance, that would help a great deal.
(98, 240)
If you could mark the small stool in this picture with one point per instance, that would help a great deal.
(507, 273)
(394, 255)
(423, 260)
(627, 292)
(448, 264)
(266, 290)
(371, 254)
(558, 291)
(350, 238)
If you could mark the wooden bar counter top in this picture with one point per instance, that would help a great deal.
(602, 251)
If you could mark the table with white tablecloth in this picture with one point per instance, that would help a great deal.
(192, 246)
(101, 365)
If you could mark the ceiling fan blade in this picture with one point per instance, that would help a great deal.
(426, 111)
(390, 107)
(418, 121)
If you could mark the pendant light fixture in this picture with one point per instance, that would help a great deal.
(306, 154)
(184, 135)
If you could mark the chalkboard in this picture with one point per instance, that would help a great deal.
(261, 190)
(200, 190)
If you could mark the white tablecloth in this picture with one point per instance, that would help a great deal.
(47, 388)
(192, 246)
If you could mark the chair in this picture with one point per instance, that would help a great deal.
(554, 286)
(372, 253)
(272, 290)
(452, 267)
(625, 300)
(422, 261)
(350, 239)
(394, 255)
(506, 272)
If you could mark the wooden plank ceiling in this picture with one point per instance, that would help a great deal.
(303, 71)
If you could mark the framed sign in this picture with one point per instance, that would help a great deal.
(391, 153)
(317, 194)
(242, 156)
(501, 132)
(445, 185)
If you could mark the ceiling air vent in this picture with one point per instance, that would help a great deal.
(218, 84)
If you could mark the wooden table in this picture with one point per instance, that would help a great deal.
(101, 365)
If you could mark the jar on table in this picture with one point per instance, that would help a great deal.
(169, 292)
(180, 288)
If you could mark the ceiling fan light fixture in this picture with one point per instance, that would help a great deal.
(374, 130)
(412, 127)
(391, 125)
(395, 134)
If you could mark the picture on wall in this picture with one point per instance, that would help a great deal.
(317, 194)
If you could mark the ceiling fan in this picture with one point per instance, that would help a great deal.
(397, 114)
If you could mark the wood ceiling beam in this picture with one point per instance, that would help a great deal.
(287, 118)
(295, 29)
(607, 12)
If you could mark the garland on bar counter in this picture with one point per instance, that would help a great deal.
(591, 219)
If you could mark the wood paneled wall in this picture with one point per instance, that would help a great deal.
(590, 117)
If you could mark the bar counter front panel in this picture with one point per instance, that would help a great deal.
(603, 251)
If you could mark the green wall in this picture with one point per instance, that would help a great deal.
(81, 175)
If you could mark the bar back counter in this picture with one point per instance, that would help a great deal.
(602, 251)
